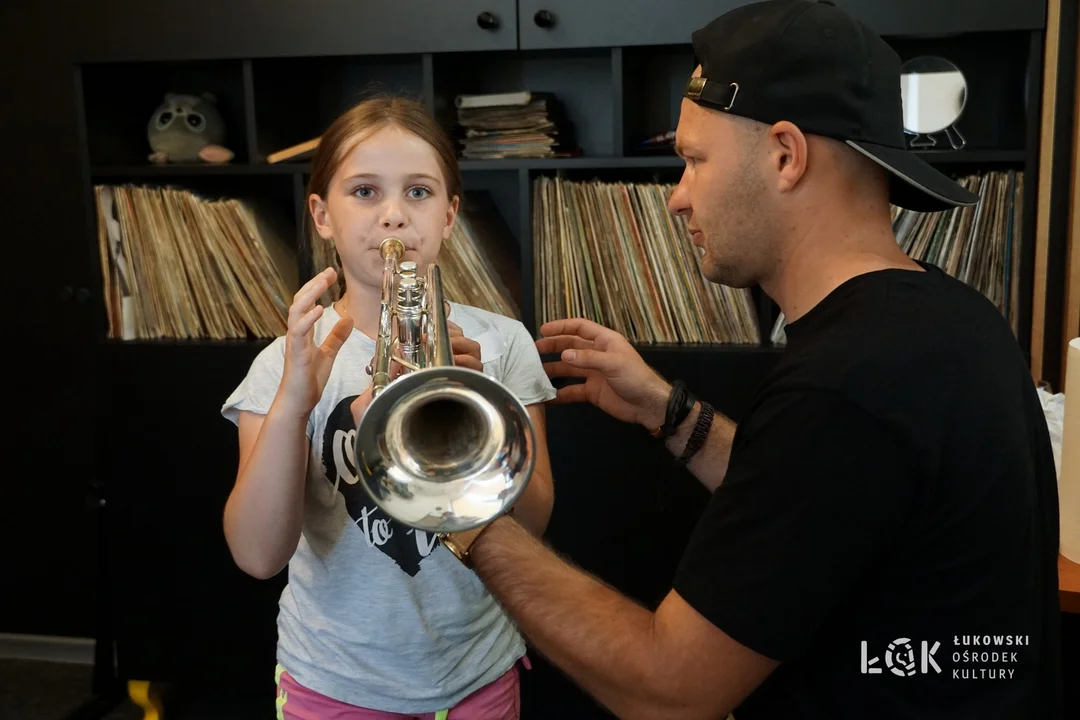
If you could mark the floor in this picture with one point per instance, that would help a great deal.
(38, 690)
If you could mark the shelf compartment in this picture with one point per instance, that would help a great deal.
(997, 98)
(120, 100)
(581, 81)
(296, 99)
(171, 261)
(653, 80)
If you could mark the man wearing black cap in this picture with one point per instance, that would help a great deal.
(882, 537)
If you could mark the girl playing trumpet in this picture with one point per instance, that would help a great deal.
(378, 620)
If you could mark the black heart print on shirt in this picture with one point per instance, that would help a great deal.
(404, 545)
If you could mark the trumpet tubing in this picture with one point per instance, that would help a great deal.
(441, 448)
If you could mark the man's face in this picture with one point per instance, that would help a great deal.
(723, 195)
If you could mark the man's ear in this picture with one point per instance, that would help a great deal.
(788, 154)
(320, 216)
(451, 217)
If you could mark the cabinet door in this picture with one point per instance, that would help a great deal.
(170, 462)
(51, 396)
(602, 23)
(916, 17)
(195, 29)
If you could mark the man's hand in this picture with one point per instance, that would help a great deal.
(619, 382)
(617, 379)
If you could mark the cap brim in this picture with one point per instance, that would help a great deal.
(914, 184)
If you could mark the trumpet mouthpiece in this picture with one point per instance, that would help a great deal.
(391, 246)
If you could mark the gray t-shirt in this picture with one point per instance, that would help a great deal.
(377, 614)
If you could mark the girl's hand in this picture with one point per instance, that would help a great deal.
(466, 352)
(307, 367)
(359, 406)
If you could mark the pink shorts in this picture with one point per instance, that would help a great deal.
(498, 700)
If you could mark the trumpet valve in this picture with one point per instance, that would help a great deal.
(410, 306)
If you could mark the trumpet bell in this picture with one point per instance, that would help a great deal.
(445, 449)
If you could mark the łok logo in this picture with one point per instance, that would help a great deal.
(901, 660)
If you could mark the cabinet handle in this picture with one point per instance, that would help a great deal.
(544, 19)
(66, 293)
(82, 295)
(487, 21)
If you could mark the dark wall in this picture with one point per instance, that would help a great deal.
(51, 407)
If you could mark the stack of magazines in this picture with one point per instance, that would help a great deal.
(513, 125)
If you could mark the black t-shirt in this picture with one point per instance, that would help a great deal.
(892, 484)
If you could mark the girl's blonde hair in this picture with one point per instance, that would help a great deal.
(361, 120)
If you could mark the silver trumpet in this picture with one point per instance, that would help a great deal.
(441, 448)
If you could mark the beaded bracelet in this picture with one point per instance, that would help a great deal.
(698, 434)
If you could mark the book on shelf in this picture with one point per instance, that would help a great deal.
(979, 245)
(513, 125)
(484, 100)
(179, 266)
(613, 253)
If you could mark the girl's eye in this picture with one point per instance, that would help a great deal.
(419, 193)
(364, 191)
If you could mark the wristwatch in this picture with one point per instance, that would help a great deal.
(460, 543)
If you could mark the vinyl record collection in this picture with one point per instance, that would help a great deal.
(476, 270)
(976, 244)
(178, 266)
(613, 253)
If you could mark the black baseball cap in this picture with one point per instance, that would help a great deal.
(813, 65)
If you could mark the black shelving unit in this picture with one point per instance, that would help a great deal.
(281, 73)
(935, 157)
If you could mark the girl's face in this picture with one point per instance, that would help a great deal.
(390, 183)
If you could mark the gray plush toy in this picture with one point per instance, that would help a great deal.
(188, 128)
